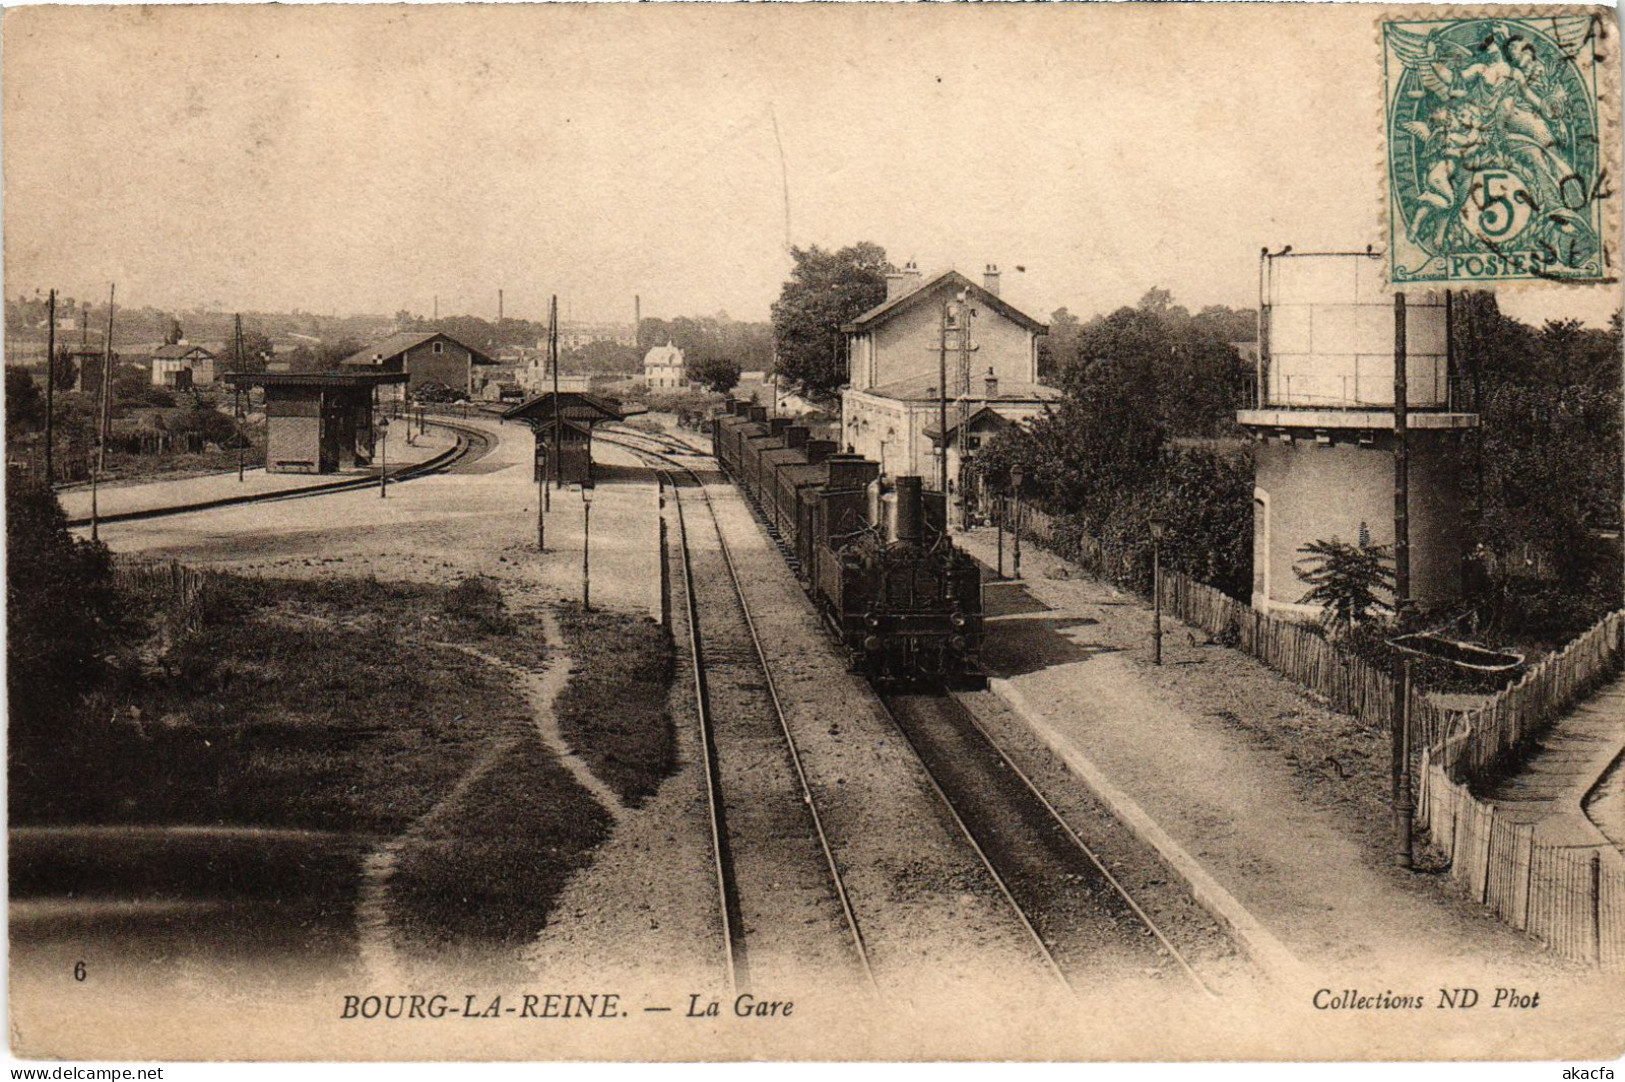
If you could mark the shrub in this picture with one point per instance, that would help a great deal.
(477, 601)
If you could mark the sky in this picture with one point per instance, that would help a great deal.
(367, 159)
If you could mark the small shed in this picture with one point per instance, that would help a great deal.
(318, 422)
(575, 413)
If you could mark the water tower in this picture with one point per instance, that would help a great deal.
(1325, 425)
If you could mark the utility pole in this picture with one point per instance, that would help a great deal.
(237, 348)
(942, 406)
(50, 390)
(553, 359)
(106, 411)
(1404, 805)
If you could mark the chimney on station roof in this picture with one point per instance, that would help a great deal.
(903, 281)
(990, 279)
(992, 384)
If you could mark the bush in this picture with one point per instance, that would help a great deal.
(477, 601)
(62, 618)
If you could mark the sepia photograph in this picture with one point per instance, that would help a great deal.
(806, 532)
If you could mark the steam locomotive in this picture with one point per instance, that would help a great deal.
(877, 561)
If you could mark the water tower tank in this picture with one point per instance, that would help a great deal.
(1330, 336)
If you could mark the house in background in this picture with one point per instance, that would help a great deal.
(181, 365)
(664, 368)
(891, 407)
(423, 357)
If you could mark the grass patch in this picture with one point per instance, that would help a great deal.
(312, 704)
(482, 873)
(615, 711)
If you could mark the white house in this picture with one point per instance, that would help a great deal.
(182, 365)
(664, 368)
(891, 410)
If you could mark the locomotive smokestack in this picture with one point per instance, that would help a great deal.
(910, 510)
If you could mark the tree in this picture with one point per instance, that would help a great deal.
(61, 615)
(1058, 350)
(717, 374)
(25, 404)
(826, 289)
(1345, 580)
(257, 348)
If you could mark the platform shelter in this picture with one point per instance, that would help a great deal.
(319, 422)
(563, 431)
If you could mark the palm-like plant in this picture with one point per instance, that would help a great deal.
(1345, 581)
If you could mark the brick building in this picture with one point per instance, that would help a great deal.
(424, 357)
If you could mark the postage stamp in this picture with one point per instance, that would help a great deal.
(1497, 129)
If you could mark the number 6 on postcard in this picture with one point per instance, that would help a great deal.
(1499, 131)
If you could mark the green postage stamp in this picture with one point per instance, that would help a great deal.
(1499, 126)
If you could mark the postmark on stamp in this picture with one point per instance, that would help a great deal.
(1497, 159)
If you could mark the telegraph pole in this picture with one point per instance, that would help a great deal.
(237, 348)
(106, 410)
(1404, 806)
(942, 406)
(50, 391)
(553, 359)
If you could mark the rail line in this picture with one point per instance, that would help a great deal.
(1025, 848)
(989, 854)
(733, 923)
(469, 440)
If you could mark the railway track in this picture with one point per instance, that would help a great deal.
(784, 909)
(472, 444)
(1080, 917)
(1081, 920)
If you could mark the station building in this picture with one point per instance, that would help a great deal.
(1324, 426)
(319, 422)
(564, 432)
(423, 357)
(891, 407)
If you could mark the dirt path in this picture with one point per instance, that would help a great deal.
(541, 690)
(381, 959)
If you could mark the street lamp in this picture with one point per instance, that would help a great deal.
(1015, 497)
(383, 457)
(1001, 509)
(1158, 526)
(586, 548)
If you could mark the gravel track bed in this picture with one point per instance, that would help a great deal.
(934, 922)
(1187, 925)
(794, 931)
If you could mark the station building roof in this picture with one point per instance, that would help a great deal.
(580, 406)
(313, 379)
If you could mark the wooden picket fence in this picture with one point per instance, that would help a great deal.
(179, 590)
(1571, 897)
(1471, 744)
(1295, 651)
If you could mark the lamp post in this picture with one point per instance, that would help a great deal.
(1002, 509)
(383, 457)
(586, 548)
(1158, 525)
(1015, 497)
(541, 494)
(241, 437)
